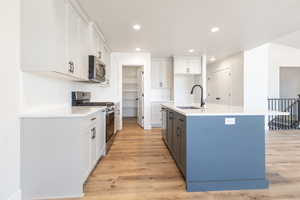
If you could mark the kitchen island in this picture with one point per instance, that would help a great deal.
(216, 148)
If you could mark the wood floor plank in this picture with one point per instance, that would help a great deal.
(139, 167)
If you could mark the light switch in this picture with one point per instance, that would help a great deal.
(230, 121)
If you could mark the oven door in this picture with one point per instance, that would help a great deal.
(110, 125)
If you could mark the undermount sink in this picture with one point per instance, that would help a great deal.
(188, 107)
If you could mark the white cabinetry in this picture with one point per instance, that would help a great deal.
(43, 36)
(54, 38)
(97, 42)
(187, 65)
(77, 42)
(161, 73)
(100, 134)
(60, 153)
(187, 72)
(98, 48)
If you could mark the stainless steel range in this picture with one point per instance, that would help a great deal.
(84, 99)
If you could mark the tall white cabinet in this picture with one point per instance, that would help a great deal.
(161, 73)
(161, 85)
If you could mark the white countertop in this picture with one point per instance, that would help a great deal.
(62, 112)
(217, 110)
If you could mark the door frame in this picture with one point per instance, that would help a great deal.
(142, 124)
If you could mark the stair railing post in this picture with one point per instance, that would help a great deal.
(298, 104)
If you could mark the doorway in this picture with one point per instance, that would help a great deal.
(133, 94)
(289, 82)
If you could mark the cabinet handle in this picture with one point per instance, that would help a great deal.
(93, 133)
(73, 67)
(161, 84)
(70, 66)
(93, 119)
(188, 70)
(181, 120)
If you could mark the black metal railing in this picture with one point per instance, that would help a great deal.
(290, 117)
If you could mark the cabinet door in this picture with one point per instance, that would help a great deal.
(195, 66)
(73, 39)
(176, 132)
(182, 145)
(100, 141)
(164, 123)
(93, 147)
(43, 36)
(86, 154)
(166, 71)
(187, 66)
(82, 67)
(170, 129)
(179, 66)
(155, 74)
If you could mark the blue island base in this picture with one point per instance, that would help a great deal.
(227, 185)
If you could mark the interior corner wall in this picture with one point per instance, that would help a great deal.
(134, 59)
(256, 66)
(236, 65)
(280, 56)
(10, 86)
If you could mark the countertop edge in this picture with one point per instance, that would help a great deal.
(56, 114)
(173, 107)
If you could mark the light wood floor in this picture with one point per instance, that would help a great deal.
(139, 167)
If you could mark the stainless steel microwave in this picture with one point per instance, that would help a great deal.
(97, 71)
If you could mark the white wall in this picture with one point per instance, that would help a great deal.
(9, 106)
(134, 59)
(42, 92)
(280, 56)
(235, 64)
(256, 65)
(289, 82)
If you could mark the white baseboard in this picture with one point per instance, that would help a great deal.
(60, 197)
(158, 125)
(16, 196)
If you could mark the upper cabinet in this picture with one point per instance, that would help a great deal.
(97, 42)
(161, 73)
(77, 42)
(43, 36)
(187, 65)
(59, 40)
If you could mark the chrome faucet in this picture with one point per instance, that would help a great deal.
(202, 101)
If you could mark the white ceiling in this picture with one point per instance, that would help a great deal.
(171, 27)
(292, 39)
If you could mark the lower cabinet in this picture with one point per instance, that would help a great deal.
(59, 153)
(175, 137)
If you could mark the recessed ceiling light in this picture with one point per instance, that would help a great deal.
(212, 59)
(138, 49)
(215, 29)
(137, 27)
(191, 50)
